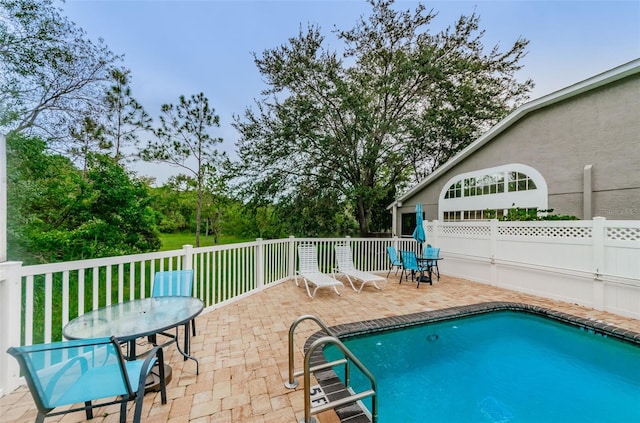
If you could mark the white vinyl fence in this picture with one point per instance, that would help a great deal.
(595, 263)
(592, 263)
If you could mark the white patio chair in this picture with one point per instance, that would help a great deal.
(344, 258)
(311, 274)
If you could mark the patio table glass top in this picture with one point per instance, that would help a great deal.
(134, 319)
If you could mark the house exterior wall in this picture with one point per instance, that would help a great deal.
(600, 128)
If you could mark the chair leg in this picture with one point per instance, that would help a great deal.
(163, 382)
(138, 413)
(123, 410)
(89, 410)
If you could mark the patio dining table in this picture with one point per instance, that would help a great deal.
(428, 263)
(143, 317)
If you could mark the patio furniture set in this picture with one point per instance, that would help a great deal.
(91, 369)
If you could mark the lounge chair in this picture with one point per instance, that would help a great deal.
(311, 274)
(393, 258)
(344, 258)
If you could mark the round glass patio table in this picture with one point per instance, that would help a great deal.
(144, 317)
(134, 319)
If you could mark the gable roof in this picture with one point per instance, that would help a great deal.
(592, 83)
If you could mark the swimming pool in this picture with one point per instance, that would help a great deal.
(500, 362)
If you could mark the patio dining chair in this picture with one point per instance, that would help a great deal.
(411, 263)
(344, 258)
(176, 283)
(66, 374)
(393, 258)
(310, 272)
(430, 252)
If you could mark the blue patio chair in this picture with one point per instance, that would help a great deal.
(430, 252)
(410, 263)
(81, 371)
(393, 258)
(176, 283)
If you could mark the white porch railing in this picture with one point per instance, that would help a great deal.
(37, 301)
(593, 263)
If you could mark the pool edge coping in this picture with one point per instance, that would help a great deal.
(353, 413)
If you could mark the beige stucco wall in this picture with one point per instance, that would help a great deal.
(599, 128)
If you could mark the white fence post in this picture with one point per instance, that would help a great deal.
(187, 263)
(259, 264)
(598, 236)
(3, 199)
(10, 323)
(493, 251)
(292, 256)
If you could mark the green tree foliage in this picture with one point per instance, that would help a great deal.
(56, 214)
(318, 213)
(394, 105)
(528, 214)
(175, 203)
(51, 75)
(183, 140)
(86, 140)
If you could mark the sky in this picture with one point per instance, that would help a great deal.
(178, 48)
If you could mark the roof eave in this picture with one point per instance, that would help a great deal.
(592, 83)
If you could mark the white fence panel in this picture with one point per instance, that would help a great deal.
(620, 299)
(594, 263)
(622, 248)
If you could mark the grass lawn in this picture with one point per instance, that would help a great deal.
(175, 241)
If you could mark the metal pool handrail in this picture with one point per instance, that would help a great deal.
(308, 411)
(292, 383)
(307, 369)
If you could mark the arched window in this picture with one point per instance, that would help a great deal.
(489, 193)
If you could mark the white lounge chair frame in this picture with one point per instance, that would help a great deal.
(344, 258)
(311, 274)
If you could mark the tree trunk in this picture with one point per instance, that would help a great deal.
(198, 213)
(363, 218)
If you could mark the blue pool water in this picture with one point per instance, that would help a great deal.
(498, 367)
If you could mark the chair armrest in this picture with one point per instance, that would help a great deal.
(149, 361)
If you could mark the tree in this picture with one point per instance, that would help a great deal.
(398, 103)
(87, 139)
(216, 201)
(51, 75)
(125, 117)
(175, 202)
(183, 141)
(56, 214)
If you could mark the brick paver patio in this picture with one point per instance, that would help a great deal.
(243, 350)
